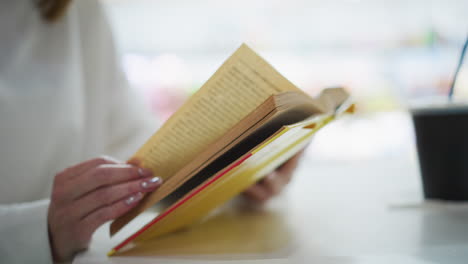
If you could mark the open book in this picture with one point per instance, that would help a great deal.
(244, 122)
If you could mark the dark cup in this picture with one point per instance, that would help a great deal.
(442, 143)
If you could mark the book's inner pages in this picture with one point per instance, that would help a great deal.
(239, 86)
(262, 115)
(291, 108)
(279, 134)
(327, 101)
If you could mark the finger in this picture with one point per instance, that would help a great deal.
(110, 194)
(82, 167)
(109, 212)
(273, 183)
(66, 186)
(285, 175)
(257, 193)
(289, 166)
(103, 175)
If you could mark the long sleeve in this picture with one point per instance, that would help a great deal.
(24, 234)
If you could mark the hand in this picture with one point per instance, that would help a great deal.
(273, 183)
(89, 194)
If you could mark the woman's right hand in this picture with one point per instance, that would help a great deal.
(89, 194)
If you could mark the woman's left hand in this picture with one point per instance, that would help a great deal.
(273, 183)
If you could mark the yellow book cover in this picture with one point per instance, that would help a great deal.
(244, 122)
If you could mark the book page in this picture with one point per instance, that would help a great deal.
(239, 86)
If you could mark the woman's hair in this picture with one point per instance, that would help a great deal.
(52, 10)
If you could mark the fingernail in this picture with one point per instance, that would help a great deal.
(134, 198)
(144, 172)
(151, 183)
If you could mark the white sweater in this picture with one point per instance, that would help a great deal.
(63, 99)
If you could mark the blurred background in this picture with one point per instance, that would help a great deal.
(386, 53)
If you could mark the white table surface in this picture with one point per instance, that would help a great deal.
(359, 211)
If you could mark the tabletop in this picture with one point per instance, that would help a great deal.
(359, 209)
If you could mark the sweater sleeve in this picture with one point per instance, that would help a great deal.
(24, 233)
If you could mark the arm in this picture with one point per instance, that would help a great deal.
(93, 192)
